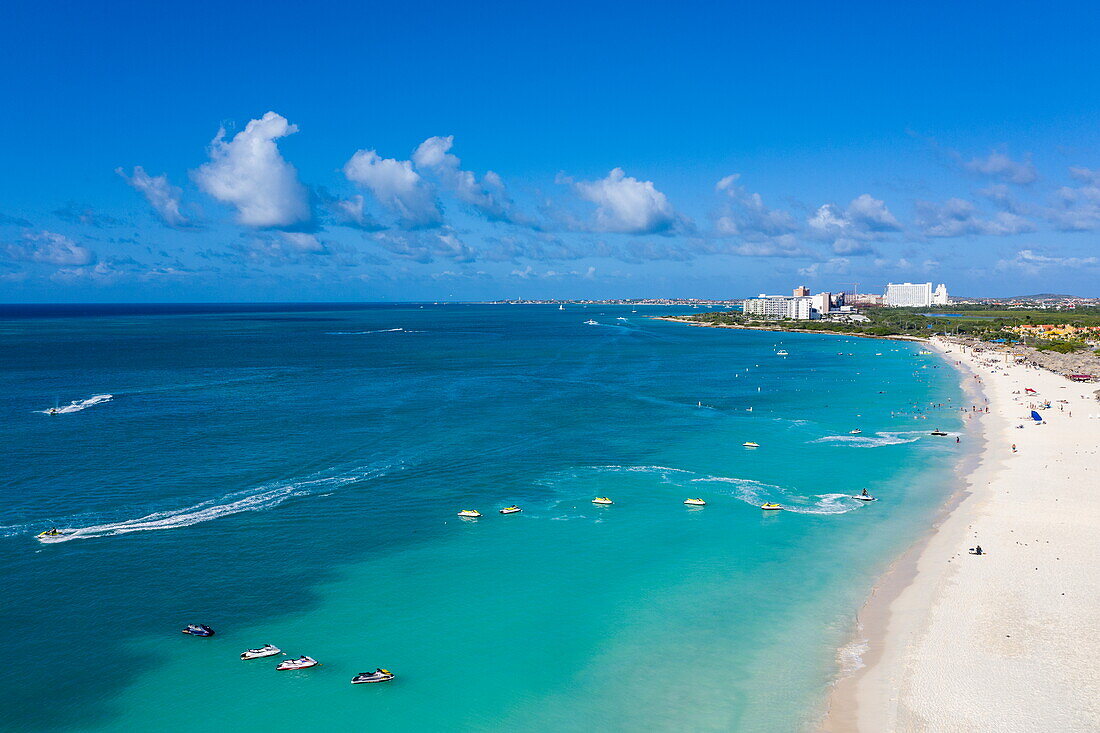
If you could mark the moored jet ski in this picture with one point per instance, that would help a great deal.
(198, 630)
(378, 675)
(267, 650)
(299, 663)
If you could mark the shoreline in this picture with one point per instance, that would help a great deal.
(781, 329)
(956, 642)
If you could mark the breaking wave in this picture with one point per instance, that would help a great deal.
(266, 496)
(78, 405)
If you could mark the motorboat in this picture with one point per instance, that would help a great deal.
(770, 507)
(857, 431)
(782, 352)
(267, 650)
(620, 318)
(510, 509)
(378, 675)
(299, 663)
(750, 444)
(590, 322)
(469, 513)
(198, 630)
(938, 432)
(695, 502)
(602, 500)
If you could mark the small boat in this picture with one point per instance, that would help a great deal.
(769, 507)
(561, 307)
(938, 432)
(864, 497)
(267, 650)
(198, 630)
(299, 663)
(620, 318)
(469, 513)
(857, 431)
(695, 502)
(510, 509)
(602, 500)
(782, 352)
(590, 322)
(378, 675)
(750, 444)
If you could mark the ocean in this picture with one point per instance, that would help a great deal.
(291, 475)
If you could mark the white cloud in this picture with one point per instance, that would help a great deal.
(425, 247)
(1000, 166)
(865, 218)
(625, 204)
(249, 173)
(302, 242)
(396, 186)
(1077, 209)
(957, 218)
(488, 196)
(832, 266)
(50, 248)
(1031, 261)
(746, 215)
(161, 195)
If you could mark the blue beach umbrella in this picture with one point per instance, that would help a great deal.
(1036, 416)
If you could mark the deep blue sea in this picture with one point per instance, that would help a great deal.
(291, 475)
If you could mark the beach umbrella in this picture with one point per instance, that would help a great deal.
(1036, 416)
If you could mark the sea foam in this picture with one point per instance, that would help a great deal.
(78, 405)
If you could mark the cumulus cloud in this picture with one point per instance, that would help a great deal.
(161, 195)
(352, 212)
(1001, 167)
(488, 196)
(425, 247)
(1077, 208)
(50, 248)
(865, 218)
(626, 205)
(396, 186)
(1031, 261)
(249, 173)
(746, 215)
(957, 218)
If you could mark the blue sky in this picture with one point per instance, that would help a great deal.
(320, 151)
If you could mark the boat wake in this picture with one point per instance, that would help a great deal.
(749, 491)
(78, 405)
(261, 498)
(364, 333)
(873, 441)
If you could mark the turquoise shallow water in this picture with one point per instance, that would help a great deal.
(292, 476)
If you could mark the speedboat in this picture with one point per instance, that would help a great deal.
(750, 444)
(590, 322)
(602, 500)
(198, 630)
(620, 318)
(299, 663)
(267, 650)
(695, 502)
(782, 352)
(469, 513)
(857, 431)
(769, 507)
(378, 675)
(938, 432)
(510, 509)
(864, 497)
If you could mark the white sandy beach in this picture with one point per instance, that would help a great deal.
(1009, 640)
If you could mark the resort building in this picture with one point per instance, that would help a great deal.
(939, 297)
(801, 291)
(915, 295)
(781, 306)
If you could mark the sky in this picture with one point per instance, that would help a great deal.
(464, 151)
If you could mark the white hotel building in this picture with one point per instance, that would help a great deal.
(914, 295)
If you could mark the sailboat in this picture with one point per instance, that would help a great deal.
(561, 307)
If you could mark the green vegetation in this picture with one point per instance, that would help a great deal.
(1066, 346)
(975, 321)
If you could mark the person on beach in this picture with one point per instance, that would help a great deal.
(1013, 447)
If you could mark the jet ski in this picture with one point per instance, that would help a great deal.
(469, 513)
(49, 533)
(861, 497)
(938, 432)
(198, 630)
(769, 507)
(857, 431)
(267, 650)
(695, 502)
(378, 675)
(510, 509)
(602, 500)
(299, 663)
(750, 444)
